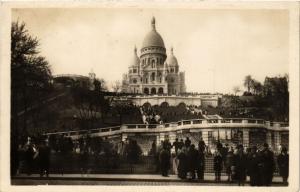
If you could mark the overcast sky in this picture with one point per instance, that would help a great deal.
(215, 48)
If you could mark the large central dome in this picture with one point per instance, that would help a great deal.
(153, 38)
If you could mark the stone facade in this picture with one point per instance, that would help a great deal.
(153, 72)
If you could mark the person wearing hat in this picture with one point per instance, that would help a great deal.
(44, 158)
(240, 164)
(253, 167)
(218, 162)
(164, 159)
(268, 165)
(283, 164)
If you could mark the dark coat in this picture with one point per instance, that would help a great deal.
(218, 162)
(283, 164)
(192, 159)
(229, 161)
(44, 156)
(201, 145)
(240, 166)
(252, 169)
(164, 158)
(268, 165)
(182, 157)
(29, 154)
(201, 160)
(187, 143)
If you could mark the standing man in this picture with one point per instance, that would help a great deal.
(229, 163)
(29, 153)
(192, 161)
(176, 145)
(253, 167)
(201, 164)
(201, 144)
(240, 163)
(187, 142)
(267, 165)
(44, 158)
(218, 161)
(283, 164)
(164, 158)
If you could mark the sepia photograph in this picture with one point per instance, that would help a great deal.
(151, 96)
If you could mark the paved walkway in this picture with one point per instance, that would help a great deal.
(209, 178)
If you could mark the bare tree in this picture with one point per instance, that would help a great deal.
(236, 90)
(117, 86)
(248, 82)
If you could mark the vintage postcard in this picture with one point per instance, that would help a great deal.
(149, 96)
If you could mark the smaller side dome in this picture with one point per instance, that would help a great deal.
(135, 60)
(172, 60)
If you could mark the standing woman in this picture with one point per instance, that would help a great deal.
(283, 164)
(228, 164)
(182, 165)
(218, 160)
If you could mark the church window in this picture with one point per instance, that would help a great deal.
(134, 70)
(153, 77)
(161, 90)
(172, 70)
(134, 81)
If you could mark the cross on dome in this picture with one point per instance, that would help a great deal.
(153, 23)
(135, 49)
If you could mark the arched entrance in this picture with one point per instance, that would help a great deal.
(161, 90)
(146, 91)
(147, 105)
(153, 90)
(164, 104)
(181, 105)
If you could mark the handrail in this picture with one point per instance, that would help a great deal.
(181, 125)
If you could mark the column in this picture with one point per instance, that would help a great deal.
(172, 137)
(205, 136)
(246, 137)
(277, 138)
(268, 138)
(159, 138)
(124, 136)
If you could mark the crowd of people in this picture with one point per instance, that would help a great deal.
(35, 153)
(149, 116)
(257, 164)
(181, 157)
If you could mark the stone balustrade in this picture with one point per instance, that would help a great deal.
(180, 125)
